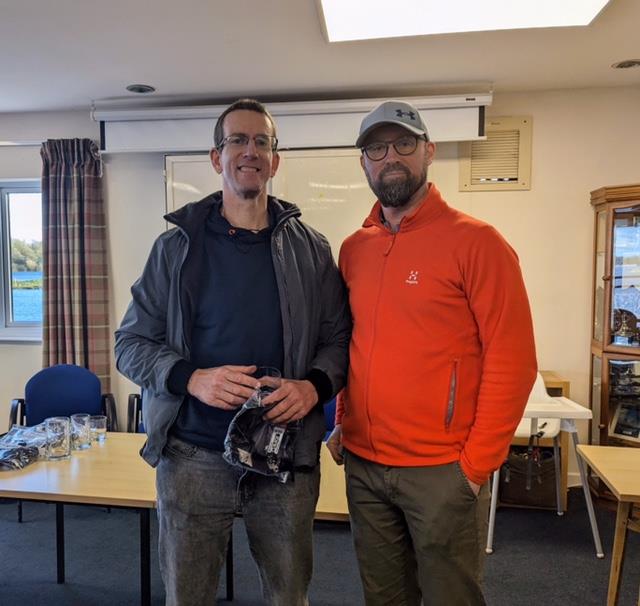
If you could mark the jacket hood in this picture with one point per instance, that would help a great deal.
(431, 207)
(192, 217)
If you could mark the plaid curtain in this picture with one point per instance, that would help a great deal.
(74, 249)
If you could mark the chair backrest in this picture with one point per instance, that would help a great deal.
(135, 422)
(61, 390)
(539, 391)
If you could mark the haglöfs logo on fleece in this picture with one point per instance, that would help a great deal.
(413, 277)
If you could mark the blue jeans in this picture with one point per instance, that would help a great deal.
(198, 496)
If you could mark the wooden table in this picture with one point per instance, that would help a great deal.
(108, 474)
(113, 474)
(619, 469)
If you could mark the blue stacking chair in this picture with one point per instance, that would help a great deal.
(61, 390)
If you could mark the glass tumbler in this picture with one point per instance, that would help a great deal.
(58, 438)
(98, 425)
(80, 431)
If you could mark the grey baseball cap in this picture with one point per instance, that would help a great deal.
(392, 112)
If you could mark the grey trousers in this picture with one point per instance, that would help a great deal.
(419, 533)
(198, 495)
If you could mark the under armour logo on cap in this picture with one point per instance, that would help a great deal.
(410, 115)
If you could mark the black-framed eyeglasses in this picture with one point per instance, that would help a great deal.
(263, 143)
(404, 146)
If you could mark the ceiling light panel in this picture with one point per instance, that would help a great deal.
(367, 19)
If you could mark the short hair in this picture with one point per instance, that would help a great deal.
(248, 104)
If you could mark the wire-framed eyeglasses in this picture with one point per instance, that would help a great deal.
(404, 146)
(263, 143)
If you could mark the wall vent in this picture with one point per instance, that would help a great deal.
(500, 162)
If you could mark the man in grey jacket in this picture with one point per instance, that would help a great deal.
(240, 282)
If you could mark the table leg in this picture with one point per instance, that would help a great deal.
(145, 557)
(492, 510)
(557, 468)
(587, 498)
(60, 541)
(229, 568)
(617, 556)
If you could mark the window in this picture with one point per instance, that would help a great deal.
(21, 261)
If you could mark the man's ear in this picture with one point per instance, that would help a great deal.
(275, 162)
(431, 151)
(214, 155)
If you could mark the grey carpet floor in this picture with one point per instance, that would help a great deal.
(540, 559)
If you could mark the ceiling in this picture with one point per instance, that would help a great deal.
(70, 53)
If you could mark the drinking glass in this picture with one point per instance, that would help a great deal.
(58, 438)
(270, 379)
(80, 431)
(98, 425)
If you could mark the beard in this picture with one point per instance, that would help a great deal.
(249, 194)
(397, 192)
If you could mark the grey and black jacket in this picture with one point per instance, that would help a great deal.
(156, 328)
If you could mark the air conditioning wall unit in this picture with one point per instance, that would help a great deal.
(502, 161)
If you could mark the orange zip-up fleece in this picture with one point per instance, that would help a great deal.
(442, 355)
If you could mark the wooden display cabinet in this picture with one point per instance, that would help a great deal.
(615, 336)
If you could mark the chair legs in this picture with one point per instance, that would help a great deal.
(496, 483)
(19, 511)
(492, 510)
(558, 474)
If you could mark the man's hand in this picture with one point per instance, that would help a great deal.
(334, 444)
(226, 387)
(475, 487)
(293, 399)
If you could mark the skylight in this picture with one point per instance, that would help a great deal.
(367, 19)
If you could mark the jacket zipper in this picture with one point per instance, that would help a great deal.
(277, 255)
(451, 401)
(373, 339)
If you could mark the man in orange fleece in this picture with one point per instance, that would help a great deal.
(442, 360)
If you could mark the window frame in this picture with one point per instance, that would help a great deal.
(10, 330)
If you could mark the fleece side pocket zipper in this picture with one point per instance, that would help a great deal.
(451, 400)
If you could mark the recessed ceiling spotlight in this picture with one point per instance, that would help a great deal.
(627, 63)
(141, 88)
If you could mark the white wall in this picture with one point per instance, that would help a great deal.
(19, 361)
(134, 190)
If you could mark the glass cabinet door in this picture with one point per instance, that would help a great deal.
(625, 278)
(624, 399)
(598, 311)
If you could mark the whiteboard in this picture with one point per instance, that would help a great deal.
(330, 188)
(189, 178)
